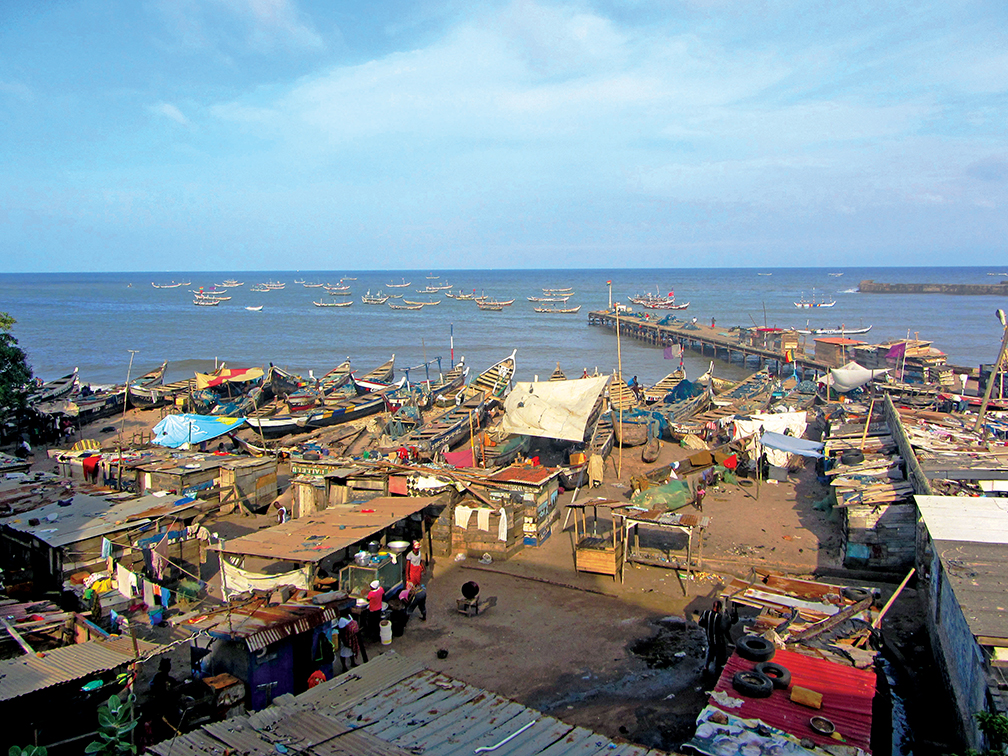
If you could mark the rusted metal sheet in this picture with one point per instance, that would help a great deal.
(311, 539)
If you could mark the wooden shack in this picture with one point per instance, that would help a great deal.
(248, 482)
(835, 351)
(775, 339)
(343, 483)
(186, 475)
(537, 488)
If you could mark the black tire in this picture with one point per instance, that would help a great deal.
(752, 684)
(755, 648)
(852, 457)
(856, 594)
(779, 676)
(311, 456)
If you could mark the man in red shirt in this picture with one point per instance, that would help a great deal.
(375, 597)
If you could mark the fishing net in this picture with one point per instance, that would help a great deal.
(670, 496)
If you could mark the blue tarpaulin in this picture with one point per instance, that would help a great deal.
(176, 430)
(800, 446)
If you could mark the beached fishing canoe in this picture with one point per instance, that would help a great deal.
(144, 391)
(495, 381)
(657, 392)
(632, 429)
(447, 429)
(55, 389)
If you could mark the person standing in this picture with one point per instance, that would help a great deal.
(414, 596)
(414, 565)
(375, 598)
(717, 624)
(350, 643)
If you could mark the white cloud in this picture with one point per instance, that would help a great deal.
(274, 22)
(171, 112)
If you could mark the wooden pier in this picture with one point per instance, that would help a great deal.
(716, 343)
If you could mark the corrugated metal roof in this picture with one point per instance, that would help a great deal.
(388, 708)
(847, 698)
(522, 474)
(260, 625)
(311, 539)
(31, 673)
(976, 519)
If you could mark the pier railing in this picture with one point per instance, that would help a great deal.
(700, 338)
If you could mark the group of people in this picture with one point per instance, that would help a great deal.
(412, 597)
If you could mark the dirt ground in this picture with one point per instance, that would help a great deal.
(625, 658)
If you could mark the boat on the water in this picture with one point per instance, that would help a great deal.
(841, 331)
(805, 304)
(558, 310)
(402, 285)
(199, 302)
(405, 306)
(347, 303)
(172, 285)
(377, 299)
(254, 309)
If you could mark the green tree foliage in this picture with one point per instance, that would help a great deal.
(115, 721)
(995, 729)
(27, 751)
(14, 370)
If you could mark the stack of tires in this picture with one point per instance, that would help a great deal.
(765, 676)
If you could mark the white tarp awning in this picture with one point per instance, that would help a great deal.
(235, 580)
(850, 377)
(775, 422)
(552, 409)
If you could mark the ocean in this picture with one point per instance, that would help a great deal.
(93, 320)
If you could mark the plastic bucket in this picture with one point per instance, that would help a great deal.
(385, 630)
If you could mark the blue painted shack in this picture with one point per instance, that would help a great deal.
(273, 649)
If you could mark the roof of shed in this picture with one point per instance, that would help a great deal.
(405, 709)
(971, 537)
(27, 674)
(311, 539)
(847, 698)
(88, 516)
(259, 624)
(535, 475)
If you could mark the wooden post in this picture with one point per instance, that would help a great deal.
(619, 376)
(878, 620)
(990, 382)
(867, 422)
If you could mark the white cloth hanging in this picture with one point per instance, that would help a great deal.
(502, 526)
(462, 515)
(483, 519)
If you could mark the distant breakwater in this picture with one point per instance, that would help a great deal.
(872, 287)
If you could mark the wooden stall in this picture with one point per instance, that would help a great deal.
(689, 523)
(248, 482)
(597, 551)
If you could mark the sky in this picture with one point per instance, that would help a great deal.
(314, 134)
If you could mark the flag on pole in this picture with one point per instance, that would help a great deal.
(672, 351)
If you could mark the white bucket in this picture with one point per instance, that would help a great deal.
(385, 629)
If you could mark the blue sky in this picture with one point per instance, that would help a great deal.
(277, 134)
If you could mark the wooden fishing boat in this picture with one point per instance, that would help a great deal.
(567, 290)
(206, 302)
(402, 285)
(450, 381)
(255, 309)
(841, 331)
(144, 391)
(309, 396)
(299, 280)
(313, 285)
(171, 285)
(56, 388)
(500, 452)
(621, 396)
(274, 285)
(345, 410)
(600, 441)
(558, 374)
(333, 304)
(495, 380)
(405, 306)
(259, 288)
(491, 306)
(272, 426)
(377, 299)
(447, 429)
(461, 295)
(549, 299)
(657, 392)
(337, 289)
(559, 310)
(423, 303)
(805, 304)
(632, 429)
